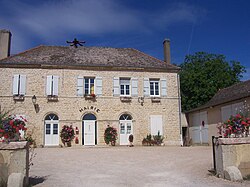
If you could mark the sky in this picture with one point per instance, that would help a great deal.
(213, 26)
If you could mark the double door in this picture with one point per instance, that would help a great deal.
(51, 133)
(126, 128)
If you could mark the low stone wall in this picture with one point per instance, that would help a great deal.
(232, 154)
(14, 158)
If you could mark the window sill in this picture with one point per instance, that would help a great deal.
(155, 99)
(52, 98)
(18, 97)
(90, 97)
(126, 99)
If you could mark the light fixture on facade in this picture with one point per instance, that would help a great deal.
(34, 99)
(37, 108)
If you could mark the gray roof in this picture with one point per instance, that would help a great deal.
(81, 57)
(232, 93)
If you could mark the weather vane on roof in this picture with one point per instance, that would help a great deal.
(75, 42)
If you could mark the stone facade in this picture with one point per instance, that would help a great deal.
(107, 108)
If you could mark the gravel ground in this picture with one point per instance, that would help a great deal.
(125, 166)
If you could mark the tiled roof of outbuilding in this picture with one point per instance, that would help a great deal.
(87, 57)
(235, 92)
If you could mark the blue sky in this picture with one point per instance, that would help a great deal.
(214, 26)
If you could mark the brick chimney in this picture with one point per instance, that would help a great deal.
(166, 51)
(5, 39)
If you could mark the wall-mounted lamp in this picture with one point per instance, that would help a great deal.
(34, 99)
(35, 104)
(141, 100)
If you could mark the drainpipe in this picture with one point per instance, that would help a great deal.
(179, 103)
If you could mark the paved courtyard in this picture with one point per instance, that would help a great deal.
(125, 166)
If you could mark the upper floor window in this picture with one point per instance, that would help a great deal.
(52, 85)
(19, 85)
(124, 87)
(154, 87)
(89, 85)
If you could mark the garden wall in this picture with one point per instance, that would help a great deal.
(232, 152)
(14, 158)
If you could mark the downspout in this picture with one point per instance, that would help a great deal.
(179, 103)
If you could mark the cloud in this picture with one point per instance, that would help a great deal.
(47, 21)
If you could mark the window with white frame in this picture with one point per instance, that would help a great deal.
(19, 85)
(124, 87)
(89, 85)
(154, 87)
(52, 85)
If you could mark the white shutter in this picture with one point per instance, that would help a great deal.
(146, 86)
(226, 112)
(80, 85)
(134, 82)
(49, 85)
(15, 85)
(22, 86)
(116, 86)
(55, 85)
(98, 86)
(163, 87)
(156, 124)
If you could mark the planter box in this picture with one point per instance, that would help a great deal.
(14, 159)
(232, 152)
(126, 99)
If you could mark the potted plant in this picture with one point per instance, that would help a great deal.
(110, 135)
(67, 134)
(11, 126)
(235, 127)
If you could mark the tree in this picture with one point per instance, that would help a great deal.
(203, 74)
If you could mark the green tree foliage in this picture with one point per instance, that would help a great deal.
(203, 74)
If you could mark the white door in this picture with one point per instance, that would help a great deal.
(126, 128)
(89, 132)
(51, 133)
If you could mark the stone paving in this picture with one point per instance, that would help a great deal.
(125, 166)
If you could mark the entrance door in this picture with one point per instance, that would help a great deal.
(125, 131)
(51, 134)
(89, 129)
(89, 132)
(51, 130)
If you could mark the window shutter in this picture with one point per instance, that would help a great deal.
(49, 85)
(156, 124)
(163, 87)
(134, 82)
(116, 86)
(80, 81)
(55, 85)
(22, 86)
(146, 86)
(98, 86)
(15, 84)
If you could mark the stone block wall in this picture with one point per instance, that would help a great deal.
(70, 108)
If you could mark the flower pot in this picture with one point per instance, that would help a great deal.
(68, 144)
(113, 143)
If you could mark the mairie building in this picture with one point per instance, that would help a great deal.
(91, 88)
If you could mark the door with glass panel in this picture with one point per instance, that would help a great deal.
(51, 130)
(126, 128)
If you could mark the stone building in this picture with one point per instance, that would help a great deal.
(229, 101)
(91, 88)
